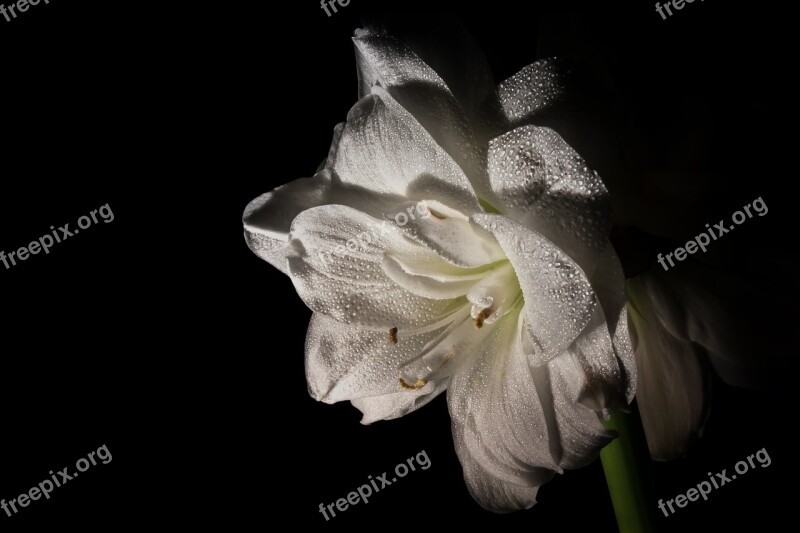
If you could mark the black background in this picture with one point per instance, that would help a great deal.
(163, 337)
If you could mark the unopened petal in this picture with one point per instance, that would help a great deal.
(673, 382)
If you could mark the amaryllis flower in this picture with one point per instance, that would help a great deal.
(497, 284)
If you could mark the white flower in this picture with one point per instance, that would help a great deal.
(509, 296)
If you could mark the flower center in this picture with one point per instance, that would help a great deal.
(491, 297)
(494, 295)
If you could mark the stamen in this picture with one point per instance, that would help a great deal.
(419, 384)
(494, 295)
(481, 309)
(482, 315)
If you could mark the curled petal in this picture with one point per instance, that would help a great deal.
(559, 300)
(382, 155)
(336, 264)
(267, 219)
(441, 284)
(451, 235)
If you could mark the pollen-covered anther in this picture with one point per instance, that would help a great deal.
(483, 315)
(418, 385)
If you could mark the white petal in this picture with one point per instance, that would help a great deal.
(569, 206)
(576, 428)
(389, 63)
(516, 424)
(429, 282)
(385, 149)
(453, 237)
(345, 362)
(267, 219)
(400, 144)
(623, 348)
(386, 61)
(570, 100)
(559, 300)
(335, 262)
(442, 356)
(444, 44)
(395, 405)
(608, 282)
(540, 181)
(604, 386)
(327, 164)
(672, 391)
(270, 249)
(496, 294)
(494, 493)
(533, 91)
(494, 399)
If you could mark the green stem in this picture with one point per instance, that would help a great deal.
(624, 462)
